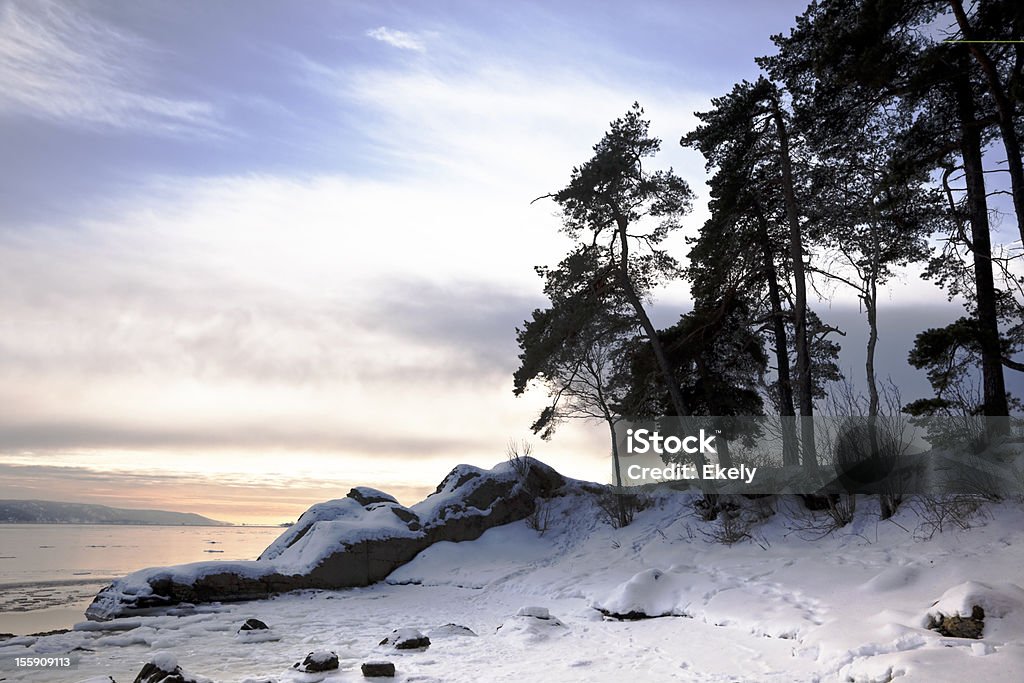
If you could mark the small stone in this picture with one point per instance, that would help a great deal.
(453, 630)
(253, 625)
(407, 639)
(378, 669)
(318, 661)
(166, 671)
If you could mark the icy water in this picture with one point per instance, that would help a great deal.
(50, 572)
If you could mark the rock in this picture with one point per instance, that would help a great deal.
(99, 679)
(255, 631)
(407, 639)
(378, 669)
(344, 543)
(364, 495)
(648, 594)
(452, 630)
(536, 612)
(54, 632)
(959, 627)
(318, 661)
(163, 668)
(533, 624)
(252, 625)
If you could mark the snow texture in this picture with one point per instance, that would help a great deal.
(852, 605)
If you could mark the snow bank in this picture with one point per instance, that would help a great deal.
(853, 605)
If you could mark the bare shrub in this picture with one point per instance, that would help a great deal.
(841, 509)
(540, 519)
(734, 519)
(816, 524)
(868, 450)
(618, 509)
(729, 529)
(519, 453)
(946, 512)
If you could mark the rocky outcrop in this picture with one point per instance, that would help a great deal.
(352, 541)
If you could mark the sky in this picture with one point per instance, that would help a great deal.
(255, 253)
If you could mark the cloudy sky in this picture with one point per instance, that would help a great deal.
(254, 253)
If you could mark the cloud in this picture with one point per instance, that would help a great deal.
(403, 40)
(62, 65)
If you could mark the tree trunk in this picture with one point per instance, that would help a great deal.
(803, 354)
(645, 322)
(790, 455)
(870, 299)
(977, 210)
(722, 445)
(1004, 112)
(620, 503)
(615, 455)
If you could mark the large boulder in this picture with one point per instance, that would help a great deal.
(352, 541)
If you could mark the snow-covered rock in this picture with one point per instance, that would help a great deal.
(163, 668)
(535, 612)
(651, 593)
(452, 630)
(352, 541)
(962, 610)
(318, 661)
(532, 624)
(255, 631)
(407, 639)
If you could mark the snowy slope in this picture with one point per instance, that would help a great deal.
(853, 605)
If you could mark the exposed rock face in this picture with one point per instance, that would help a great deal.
(960, 627)
(352, 541)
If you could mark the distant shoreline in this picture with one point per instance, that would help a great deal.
(196, 526)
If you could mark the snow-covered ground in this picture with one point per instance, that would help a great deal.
(853, 605)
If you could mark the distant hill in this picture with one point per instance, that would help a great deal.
(52, 512)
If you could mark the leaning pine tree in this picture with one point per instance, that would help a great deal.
(623, 212)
